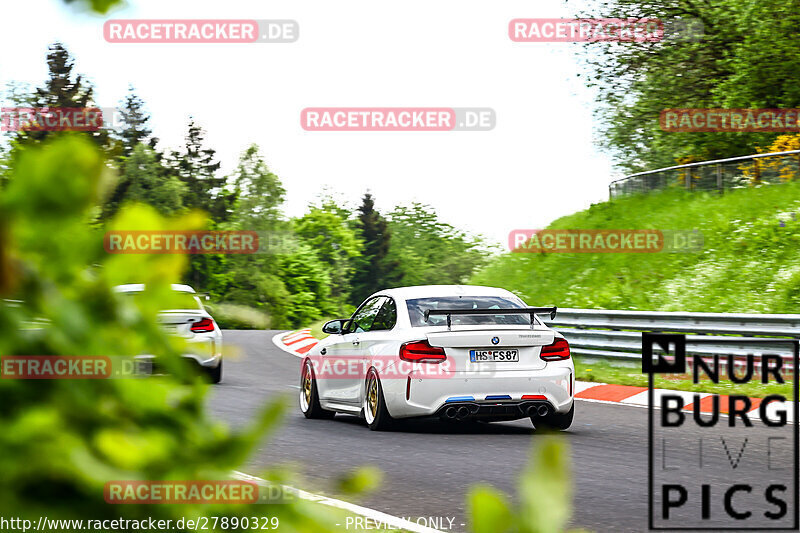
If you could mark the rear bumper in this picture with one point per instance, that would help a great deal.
(491, 410)
(201, 360)
(553, 385)
(204, 351)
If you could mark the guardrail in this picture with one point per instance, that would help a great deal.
(609, 334)
(716, 175)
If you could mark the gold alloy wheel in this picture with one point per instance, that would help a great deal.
(307, 386)
(372, 397)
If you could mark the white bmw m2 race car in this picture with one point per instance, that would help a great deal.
(449, 351)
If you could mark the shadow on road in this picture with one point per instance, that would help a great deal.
(436, 426)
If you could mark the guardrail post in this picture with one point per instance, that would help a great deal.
(798, 164)
(756, 172)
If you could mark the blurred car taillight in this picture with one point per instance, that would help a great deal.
(421, 352)
(557, 351)
(206, 325)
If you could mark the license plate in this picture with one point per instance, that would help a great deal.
(493, 356)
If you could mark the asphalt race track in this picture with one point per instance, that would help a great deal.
(428, 466)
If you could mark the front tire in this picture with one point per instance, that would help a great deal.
(309, 397)
(556, 421)
(375, 412)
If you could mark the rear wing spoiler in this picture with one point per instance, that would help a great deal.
(513, 311)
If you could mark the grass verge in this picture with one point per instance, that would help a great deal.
(627, 374)
(316, 329)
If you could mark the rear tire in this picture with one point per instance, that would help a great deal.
(556, 421)
(309, 397)
(215, 374)
(375, 412)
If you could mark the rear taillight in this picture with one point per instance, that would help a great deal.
(204, 326)
(558, 351)
(421, 352)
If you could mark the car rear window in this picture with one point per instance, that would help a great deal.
(418, 306)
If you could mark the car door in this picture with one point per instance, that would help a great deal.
(377, 344)
(345, 358)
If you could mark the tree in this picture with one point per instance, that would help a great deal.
(308, 283)
(147, 184)
(195, 165)
(746, 58)
(326, 230)
(254, 279)
(63, 89)
(429, 251)
(134, 133)
(374, 270)
(135, 130)
(259, 192)
(68, 439)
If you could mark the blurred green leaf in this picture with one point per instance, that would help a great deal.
(489, 510)
(99, 6)
(360, 480)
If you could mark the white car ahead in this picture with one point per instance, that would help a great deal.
(450, 351)
(185, 316)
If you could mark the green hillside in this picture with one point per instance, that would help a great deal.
(750, 261)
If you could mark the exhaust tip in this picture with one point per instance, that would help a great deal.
(463, 412)
(542, 410)
(450, 412)
(532, 411)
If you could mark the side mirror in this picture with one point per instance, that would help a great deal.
(334, 327)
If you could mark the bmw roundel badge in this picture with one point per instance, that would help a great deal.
(495, 340)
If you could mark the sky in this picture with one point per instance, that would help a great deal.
(537, 164)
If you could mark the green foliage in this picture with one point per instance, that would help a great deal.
(359, 481)
(342, 257)
(196, 166)
(325, 228)
(135, 130)
(747, 57)
(259, 193)
(145, 183)
(63, 439)
(375, 270)
(98, 6)
(63, 89)
(234, 316)
(749, 263)
(544, 495)
(308, 282)
(255, 280)
(429, 251)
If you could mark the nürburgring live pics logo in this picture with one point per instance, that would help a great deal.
(708, 471)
